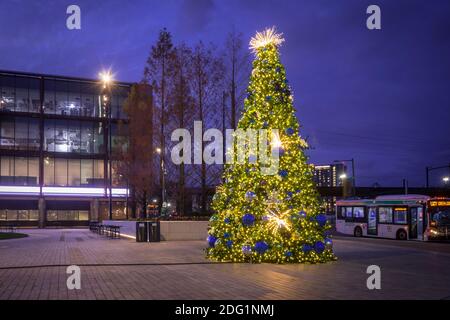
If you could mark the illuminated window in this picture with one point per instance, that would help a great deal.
(385, 214)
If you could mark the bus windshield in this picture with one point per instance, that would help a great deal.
(441, 216)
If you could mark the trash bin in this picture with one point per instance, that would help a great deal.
(154, 231)
(141, 232)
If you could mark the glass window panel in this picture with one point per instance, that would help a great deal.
(22, 94)
(20, 171)
(98, 139)
(87, 138)
(61, 136)
(49, 97)
(400, 215)
(33, 171)
(21, 134)
(52, 215)
(49, 135)
(385, 214)
(34, 215)
(8, 93)
(49, 171)
(2, 214)
(34, 95)
(61, 172)
(73, 136)
(348, 212)
(22, 215)
(74, 101)
(83, 215)
(98, 169)
(11, 215)
(87, 171)
(61, 98)
(7, 132)
(33, 134)
(358, 212)
(74, 172)
(7, 166)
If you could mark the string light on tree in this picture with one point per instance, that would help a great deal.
(269, 218)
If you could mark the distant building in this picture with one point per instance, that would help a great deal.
(329, 176)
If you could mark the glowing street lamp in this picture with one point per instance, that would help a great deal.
(106, 78)
(446, 180)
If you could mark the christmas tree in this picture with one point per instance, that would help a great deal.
(261, 217)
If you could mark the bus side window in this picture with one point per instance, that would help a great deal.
(358, 212)
(385, 215)
(348, 212)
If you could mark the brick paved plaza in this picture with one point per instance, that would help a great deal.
(34, 268)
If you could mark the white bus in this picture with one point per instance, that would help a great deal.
(395, 216)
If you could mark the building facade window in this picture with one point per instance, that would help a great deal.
(19, 94)
(67, 215)
(19, 171)
(73, 172)
(19, 133)
(19, 215)
(73, 136)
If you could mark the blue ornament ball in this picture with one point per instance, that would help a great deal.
(229, 243)
(226, 235)
(321, 220)
(250, 195)
(211, 241)
(290, 131)
(246, 249)
(248, 219)
(227, 220)
(261, 247)
(307, 248)
(319, 247)
(328, 242)
(288, 254)
(265, 124)
(302, 214)
(268, 98)
(283, 173)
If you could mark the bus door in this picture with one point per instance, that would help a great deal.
(372, 221)
(413, 222)
(420, 223)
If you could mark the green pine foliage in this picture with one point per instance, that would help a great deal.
(270, 218)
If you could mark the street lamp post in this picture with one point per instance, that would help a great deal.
(428, 169)
(344, 176)
(107, 79)
(163, 180)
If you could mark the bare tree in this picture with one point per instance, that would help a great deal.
(206, 75)
(237, 61)
(181, 105)
(136, 156)
(157, 72)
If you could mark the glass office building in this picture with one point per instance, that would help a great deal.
(54, 143)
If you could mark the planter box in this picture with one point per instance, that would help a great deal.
(170, 230)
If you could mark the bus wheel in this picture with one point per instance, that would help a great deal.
(357, 232)
(401, 235)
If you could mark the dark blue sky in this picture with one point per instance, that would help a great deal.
(381, 97)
